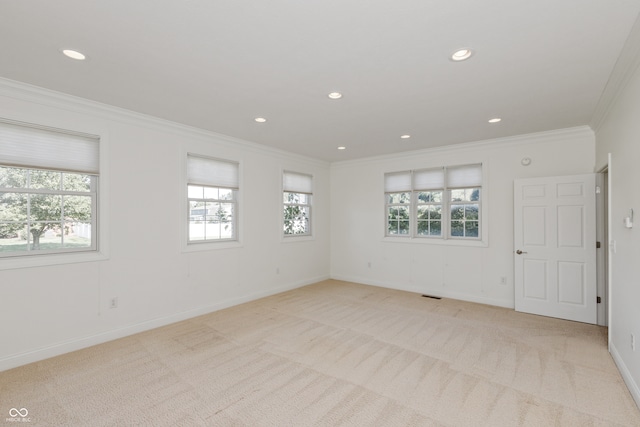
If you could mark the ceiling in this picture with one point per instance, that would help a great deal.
(218, 64)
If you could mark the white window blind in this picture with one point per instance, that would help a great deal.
(428, 179)
(39, 147)
(397, 182)
(212, 172)
(294, 182)
(464, 176)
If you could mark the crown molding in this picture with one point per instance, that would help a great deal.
(625, 67)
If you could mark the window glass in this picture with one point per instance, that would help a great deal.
(427, 211)
(39, 214)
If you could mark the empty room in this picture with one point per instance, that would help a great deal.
(319, 213)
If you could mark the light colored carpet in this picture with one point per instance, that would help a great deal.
(334, 354)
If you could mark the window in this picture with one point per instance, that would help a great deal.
(212, 194)
(297, 193)
(435, 203)
(48, 190)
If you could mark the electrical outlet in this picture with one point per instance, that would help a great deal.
(503, 280)
(369, 264)
(633, 342)
(113, 303)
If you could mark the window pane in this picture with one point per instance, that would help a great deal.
(423, 228)
(77, 235)
(465, 195)
(423, 212)
(394, 198)
(13, 207)
(430, 196)
(76, 182)
(13, 238)
(436, 228)
(457, 228)
(195, 192)
(458, 195)
(225, 194)
(471, 229)
(457, 212)
(295, 198)
(77, 208)
(435, 212)
(196, 230)
(471, 212)
(212, 230)
(45, 207)
(45, 180)
(398, 220)
(211, 193)
(219, 212)
(45, 235)
(226, 230)
(197, 211)
(13, 177)
(296, 219)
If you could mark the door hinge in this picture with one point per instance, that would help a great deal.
(599, 300)
(598, 245)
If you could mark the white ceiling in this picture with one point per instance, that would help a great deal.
(217, 64)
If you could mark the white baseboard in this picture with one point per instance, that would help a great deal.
(57, 349)
(626, 374)
(439, 292)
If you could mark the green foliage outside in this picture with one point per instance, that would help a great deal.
(40, 209)
(296, 213)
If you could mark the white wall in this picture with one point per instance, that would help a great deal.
(462, 272)
(619, 134)
(50, 310)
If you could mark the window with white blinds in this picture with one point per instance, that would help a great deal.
(212, 199)
(442, 202)
(48, 190)
(297, 196)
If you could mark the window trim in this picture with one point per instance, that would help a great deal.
(445, 239)
(101, 250)
(93, 193)
(183, 215)
(311, 188)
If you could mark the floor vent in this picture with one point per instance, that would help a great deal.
(431, 296)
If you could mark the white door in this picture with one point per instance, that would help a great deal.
(555, 247)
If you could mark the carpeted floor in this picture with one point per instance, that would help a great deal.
(335, 354)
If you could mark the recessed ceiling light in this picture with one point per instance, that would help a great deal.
(461, 54)
(335, 95)
(495, 120)
(260, 119)
(405, 136)
(342, 148)
(74, 54)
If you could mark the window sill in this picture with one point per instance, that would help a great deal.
(297, 238)
(437, 242)
(29, 261)
(210, 246)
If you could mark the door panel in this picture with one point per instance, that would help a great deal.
(554, 236)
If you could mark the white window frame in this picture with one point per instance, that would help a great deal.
(297, 183)
(55, 156)
(405, 182)
(213, 173)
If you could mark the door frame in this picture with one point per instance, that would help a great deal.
(602, 236)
